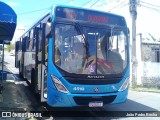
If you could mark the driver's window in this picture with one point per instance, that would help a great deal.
(69, 48)
(117, 43)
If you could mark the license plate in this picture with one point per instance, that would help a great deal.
(96, 104)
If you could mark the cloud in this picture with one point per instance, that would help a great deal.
(12, 4)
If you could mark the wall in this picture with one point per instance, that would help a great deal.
(151, 70)
(151, 74)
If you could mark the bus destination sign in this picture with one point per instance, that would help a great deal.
(79, 14)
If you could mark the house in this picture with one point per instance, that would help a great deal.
(148, 69)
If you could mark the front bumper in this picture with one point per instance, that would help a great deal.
(59, 99)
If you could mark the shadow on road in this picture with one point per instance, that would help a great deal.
(129, 105)
(19, 97)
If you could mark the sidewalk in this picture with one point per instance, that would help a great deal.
(16, 95)
(10, 75)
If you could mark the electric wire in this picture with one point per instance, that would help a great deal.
(105, 3)
(151, 8)
(122, 3)
(29, 12)
(150, 4)
(94, 3)
(85, 3)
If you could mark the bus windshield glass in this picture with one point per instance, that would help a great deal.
(90, 50)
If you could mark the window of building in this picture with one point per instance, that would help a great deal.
(156, 54)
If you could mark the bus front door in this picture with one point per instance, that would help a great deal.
(44, 44)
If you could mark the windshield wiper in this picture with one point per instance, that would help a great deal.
(83, 36)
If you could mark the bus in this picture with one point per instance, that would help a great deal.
(76, 57)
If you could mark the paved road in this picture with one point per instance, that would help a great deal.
(138, 102)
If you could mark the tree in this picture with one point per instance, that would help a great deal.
(10, 47)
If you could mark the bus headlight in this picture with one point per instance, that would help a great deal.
(124, 85)
(58, 84)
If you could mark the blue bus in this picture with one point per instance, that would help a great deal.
(76, 57)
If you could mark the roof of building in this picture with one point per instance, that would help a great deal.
(147, 42)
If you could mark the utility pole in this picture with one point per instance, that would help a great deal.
(133, 12)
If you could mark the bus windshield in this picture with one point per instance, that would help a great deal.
(90, 50)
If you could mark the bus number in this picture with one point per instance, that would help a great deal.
(78, 88)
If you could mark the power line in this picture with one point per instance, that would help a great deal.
(102, 4)
(68, 1)
(33, 11)
(40, 9)
(155, 9)
(85, 3)
(94, 3)
(120, 4)
(150, 4)
(111, 1)
(124, 5)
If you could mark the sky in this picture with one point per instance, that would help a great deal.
(148, 17)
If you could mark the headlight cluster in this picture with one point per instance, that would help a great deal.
(58, 84)
(124, 85)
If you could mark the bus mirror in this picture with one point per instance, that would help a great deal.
(48, 29)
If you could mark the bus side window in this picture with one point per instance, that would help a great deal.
(113, 55)
(33, 37)
(46, 50)
(39, 45)
(47, 36)
(28, 41)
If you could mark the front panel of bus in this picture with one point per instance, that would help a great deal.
(88, 62)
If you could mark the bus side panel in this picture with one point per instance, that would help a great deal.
(21, 57)
(17, 48)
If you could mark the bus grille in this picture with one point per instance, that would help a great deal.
(86, 100)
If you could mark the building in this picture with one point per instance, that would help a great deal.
(148, 69)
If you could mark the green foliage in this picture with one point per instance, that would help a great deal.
(10, 47)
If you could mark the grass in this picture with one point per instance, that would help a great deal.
(145, 89)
